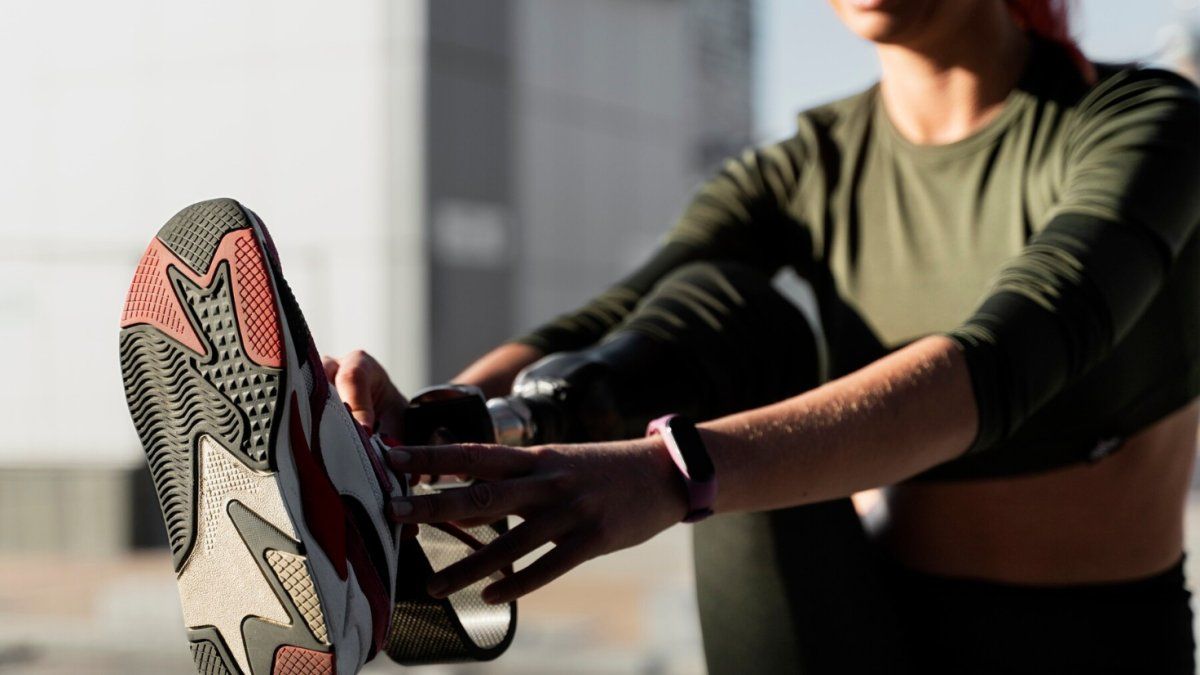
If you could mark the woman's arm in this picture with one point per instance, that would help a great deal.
(1129, 205)
(495, 371)
(888, 421)
(902, 414)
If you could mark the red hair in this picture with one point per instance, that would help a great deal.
(1051, 20)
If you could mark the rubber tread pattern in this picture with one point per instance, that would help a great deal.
(152, 300)
(175, 395)
(194, 233)
(171, 405)
(219, 477)
(292, 572)
(263, 638)
(296, 661)
(256, 305)
(214, 657)
(208, 659)
(252, 388)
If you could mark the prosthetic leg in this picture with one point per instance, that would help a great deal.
(795, 590)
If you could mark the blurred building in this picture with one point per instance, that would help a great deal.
(437, 175)
(564, 137)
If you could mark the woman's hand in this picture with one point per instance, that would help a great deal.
(587, 499)
(364, 385)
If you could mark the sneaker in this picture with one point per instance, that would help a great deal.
(273, 496)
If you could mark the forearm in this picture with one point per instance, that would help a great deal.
(902, 414)
(495, 371)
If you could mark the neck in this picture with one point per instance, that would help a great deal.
(947, 87)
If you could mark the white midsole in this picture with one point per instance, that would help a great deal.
(347, 612)
(220, 583)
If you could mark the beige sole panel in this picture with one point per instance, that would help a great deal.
(293, 573)
(221, 557)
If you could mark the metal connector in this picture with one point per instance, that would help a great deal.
(512, 420)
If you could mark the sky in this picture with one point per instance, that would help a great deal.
(806, 57)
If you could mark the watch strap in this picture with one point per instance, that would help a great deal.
(701, 494)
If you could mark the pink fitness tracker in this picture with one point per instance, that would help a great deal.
(692, 460)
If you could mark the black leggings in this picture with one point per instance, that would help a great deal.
(804, 590)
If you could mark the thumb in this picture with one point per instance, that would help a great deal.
(331, 366)
(355, 392)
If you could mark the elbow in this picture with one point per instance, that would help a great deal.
(1054, 313)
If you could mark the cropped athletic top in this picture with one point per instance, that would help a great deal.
(1057, 246)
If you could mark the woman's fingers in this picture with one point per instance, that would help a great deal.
(357, 379)
(564, 557)
(477, 460)
(500, 553)
(364, 386)
(331, 367)
(478, 500)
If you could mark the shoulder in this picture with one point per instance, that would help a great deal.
(1132, 152)
(1127, 97)
(1129, 78)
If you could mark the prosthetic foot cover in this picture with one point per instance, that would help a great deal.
(461, 627)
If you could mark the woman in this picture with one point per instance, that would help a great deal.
(1038, 443)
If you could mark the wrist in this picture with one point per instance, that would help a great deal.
(666, 476)
(693, 466)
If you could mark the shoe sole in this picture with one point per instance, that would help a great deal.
(211, 383)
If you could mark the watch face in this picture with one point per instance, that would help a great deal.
(687, 439)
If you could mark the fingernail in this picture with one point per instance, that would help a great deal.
(401, 507)
(438, 587)
(490, 596)
(400, 457)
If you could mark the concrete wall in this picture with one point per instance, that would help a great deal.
(604, 143)
(565, 138)
(470, 179)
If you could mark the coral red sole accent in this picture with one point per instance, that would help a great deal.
(257, 317)
(152, 300)
(291, 660)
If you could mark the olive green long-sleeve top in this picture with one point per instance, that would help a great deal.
(1057, 246)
